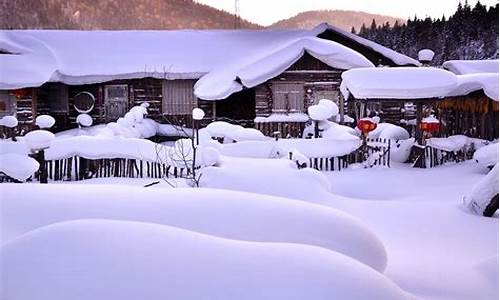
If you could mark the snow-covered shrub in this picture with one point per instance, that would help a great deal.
(389, 131)
(246, 134)
(300, 159)
(222, 130)
(45, 121)
(400, 150)
(319, 112)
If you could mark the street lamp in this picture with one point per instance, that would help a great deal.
(366, 125)
(198, 115)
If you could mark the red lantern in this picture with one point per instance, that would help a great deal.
(20, 93)
(366, 125)
(429, 127)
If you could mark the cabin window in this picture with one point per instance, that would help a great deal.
(115, 101)
(7, 104)
(178, 97)
(288, 97)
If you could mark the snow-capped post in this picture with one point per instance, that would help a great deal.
(37, 141)
(425, 56)
(198, 115)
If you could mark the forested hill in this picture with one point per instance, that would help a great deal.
(471, 33)
(345, 19)
(113, 15)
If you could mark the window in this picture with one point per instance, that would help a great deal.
(178, 97)
(115, 101)
(288, 97)
(7, 104)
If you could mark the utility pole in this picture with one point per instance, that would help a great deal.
(237, 19)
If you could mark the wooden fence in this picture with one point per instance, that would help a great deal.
(337, 163)
(79, 168)
(430, 157)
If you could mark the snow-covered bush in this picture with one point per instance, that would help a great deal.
(400, 150)
(300, 159)
(389, 131)
(222, 130)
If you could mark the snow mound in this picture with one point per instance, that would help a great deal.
(319, 112)
(220, 129)
(45, 121)
(425, 55)
(487, 156)
(18, 166)
(452, 143)
(247, 134)
(400, 150)
(227, 214)
(148, 261)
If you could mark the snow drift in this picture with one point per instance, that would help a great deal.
(233, 215)
(134, 261)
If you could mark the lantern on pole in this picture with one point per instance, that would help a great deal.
(366, 125)
(429, 125)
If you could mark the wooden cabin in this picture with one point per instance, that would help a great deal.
(167, 69)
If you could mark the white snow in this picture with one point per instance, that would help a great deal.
(389, 131)
(38, 139)
(430, 119)
(396, 57)
(278, 117)
(332, 105)
(227, 214)
(425, 55)
(8, 121)
(482, 193)
(487, 156)
(45, 121)
(258, 68)
(488, 82)
(84, 120)
(247, 134)
(18, 166)
(462, 67)
(198, 113)
(452, 143)
(319, 112)
(397, 83)
(149, 261)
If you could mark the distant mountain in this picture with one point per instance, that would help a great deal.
(113, 15)
(345, 19)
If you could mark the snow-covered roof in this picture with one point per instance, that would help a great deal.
(462, 67)
(249, 72)
(231, 58)
(396, 57)
(487, 82)
(398, 83)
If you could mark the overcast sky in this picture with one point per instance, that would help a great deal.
(266, 12)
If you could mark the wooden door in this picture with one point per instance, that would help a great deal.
(115, 101)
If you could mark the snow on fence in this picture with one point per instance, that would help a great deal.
(439, 151)
(378, 154)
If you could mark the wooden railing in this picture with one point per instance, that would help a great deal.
(430, 157)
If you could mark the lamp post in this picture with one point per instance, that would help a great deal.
(37, 141)
(198, 115)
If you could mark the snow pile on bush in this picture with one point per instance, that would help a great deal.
(401, 149)
(483, 192)
(38, 139)
(487, 156)
(182, 154)
(227, 214)
(45, 121)
(331, 130)
(18, 166)
(149, 261)
(8, 121)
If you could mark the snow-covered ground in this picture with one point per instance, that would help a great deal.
(333, 240)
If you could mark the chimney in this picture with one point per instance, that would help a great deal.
(425, 57)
